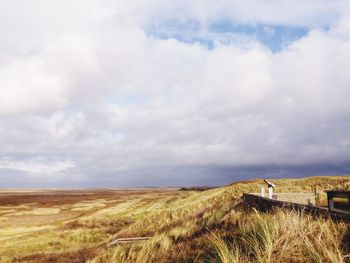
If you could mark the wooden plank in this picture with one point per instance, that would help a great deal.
(126, 240)
(338, 193)
(330, 196)
(266, 204)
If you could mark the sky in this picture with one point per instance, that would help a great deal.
(112, 93)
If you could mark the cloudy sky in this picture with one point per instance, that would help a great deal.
(103, 93)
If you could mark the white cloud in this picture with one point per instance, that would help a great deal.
(35, 167)
(313, 13)
(95, 89)
(25, 87)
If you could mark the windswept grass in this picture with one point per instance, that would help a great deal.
(211, 226)
(227, 253)
(284, 236)
(184, 226)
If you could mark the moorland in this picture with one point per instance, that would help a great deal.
(183, 225)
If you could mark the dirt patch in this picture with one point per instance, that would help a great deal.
(74, 256)
(51, 198)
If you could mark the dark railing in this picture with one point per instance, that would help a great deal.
(266, 204)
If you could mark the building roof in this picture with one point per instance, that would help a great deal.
(338, 193)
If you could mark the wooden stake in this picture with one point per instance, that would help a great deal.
(126, 240)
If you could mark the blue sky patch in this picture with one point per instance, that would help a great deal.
(187, 31)
(275, 37)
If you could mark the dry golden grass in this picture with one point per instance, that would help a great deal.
(186, 226)
(67, 225)
(284, 237)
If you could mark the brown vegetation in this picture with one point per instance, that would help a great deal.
(185, 226)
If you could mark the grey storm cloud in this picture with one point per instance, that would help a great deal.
(89, 98)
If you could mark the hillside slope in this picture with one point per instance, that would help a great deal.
(211, 226)
(184, 226)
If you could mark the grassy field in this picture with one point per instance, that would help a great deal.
(184, 226)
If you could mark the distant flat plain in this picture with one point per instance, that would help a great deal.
(33, 221)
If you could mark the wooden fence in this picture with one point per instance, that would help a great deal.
(265, 204)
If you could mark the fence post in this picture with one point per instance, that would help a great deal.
(262, 191)
(270, 192)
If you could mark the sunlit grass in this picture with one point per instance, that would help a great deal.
(184, 226)
(37, 211)
(284, 237)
